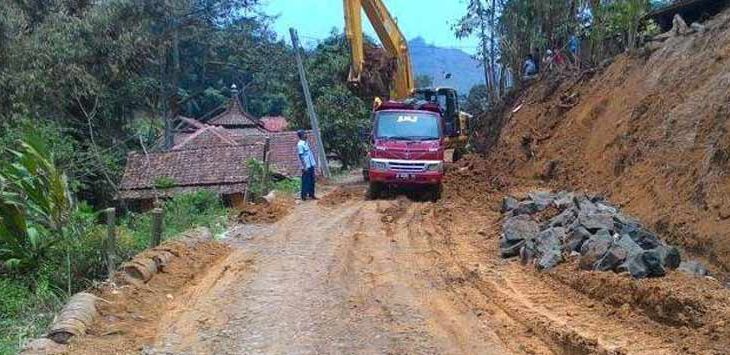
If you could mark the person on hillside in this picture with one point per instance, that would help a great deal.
(574, 49)
(308, 164)
(529, 69)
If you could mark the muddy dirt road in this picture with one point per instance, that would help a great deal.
(391, 276)
(347, 275)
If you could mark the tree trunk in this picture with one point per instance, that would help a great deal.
(485, 52)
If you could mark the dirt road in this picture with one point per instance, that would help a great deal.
(392, 276)
(328, 280)
(347, 275)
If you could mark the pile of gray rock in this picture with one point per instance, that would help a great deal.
(546, 228)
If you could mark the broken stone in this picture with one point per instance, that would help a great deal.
(644, 264)
(549, 260)
(574, 240)
(645, 239)
(629, 245)
(550, 238)
(509, 203)
(596, 221)
(669, 256)
(694, 268)
(526, 207)
(545, 247)
(527, 254)
(516, 230)
(614, 257)
(542, 199)
(606, 208)
(584, 204)
(520, 228)
(564, 219)
(594, 249)
(625, 224)
(507, 250)
(564, 200)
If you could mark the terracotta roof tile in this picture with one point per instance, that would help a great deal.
(275, 123)
(207, 167)
(234, 115)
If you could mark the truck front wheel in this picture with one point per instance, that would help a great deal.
(436, 191)
(375, 189)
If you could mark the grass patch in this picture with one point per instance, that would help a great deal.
(288, 186)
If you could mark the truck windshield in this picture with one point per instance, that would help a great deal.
(407, 126)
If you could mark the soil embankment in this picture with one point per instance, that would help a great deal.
(649, 132)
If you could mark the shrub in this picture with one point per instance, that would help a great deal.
(290, 186)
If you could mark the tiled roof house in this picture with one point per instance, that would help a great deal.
(210, 156)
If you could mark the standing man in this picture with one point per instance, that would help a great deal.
(306, 159)
(574, 49)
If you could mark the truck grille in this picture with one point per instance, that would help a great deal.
(407, 167)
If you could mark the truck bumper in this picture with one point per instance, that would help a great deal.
(406, 179)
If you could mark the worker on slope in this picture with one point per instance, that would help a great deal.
(308, 163)
(529, 69)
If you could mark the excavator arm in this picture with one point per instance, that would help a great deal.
(390, 36)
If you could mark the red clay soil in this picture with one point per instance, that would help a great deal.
(691, 312)
(266, 212)
(378, 73)
(342, 194)
(649, 132)
(129, 317)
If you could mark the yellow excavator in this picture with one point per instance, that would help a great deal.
(403, 86)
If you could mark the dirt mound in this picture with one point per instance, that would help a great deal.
(378, 73)
(343, 194)
(266, 212)
(650, 133)
(128, 319)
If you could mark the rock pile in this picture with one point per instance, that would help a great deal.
(547, 227)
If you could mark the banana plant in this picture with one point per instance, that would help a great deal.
(35, 205)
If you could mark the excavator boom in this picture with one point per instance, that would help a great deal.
(390, 36)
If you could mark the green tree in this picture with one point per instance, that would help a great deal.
(480, 20)
(478, 100)
(342, 115)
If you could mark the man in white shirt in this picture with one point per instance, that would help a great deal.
(308, 164)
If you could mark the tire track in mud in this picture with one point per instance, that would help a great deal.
(390, 277)
(424, 317)
(569, 322)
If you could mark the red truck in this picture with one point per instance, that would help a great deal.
(408, 143)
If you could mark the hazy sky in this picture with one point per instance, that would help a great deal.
(430, 19)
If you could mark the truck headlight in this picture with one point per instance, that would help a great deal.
(378, 165)
(435, 166)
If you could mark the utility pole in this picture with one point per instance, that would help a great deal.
(310, 107)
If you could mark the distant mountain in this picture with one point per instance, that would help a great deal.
(435, 61)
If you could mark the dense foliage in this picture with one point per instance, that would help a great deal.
(509, 30)
(343, 116)
(105, 75)
(51, 246)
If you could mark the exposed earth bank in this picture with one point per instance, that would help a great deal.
(648, 132)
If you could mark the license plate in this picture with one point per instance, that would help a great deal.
(405, 176)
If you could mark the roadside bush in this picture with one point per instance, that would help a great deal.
(288, 186)
(183, 212)
(51, 247)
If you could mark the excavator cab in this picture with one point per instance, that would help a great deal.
(448, 101)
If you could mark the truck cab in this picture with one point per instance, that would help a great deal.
(408, 142)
